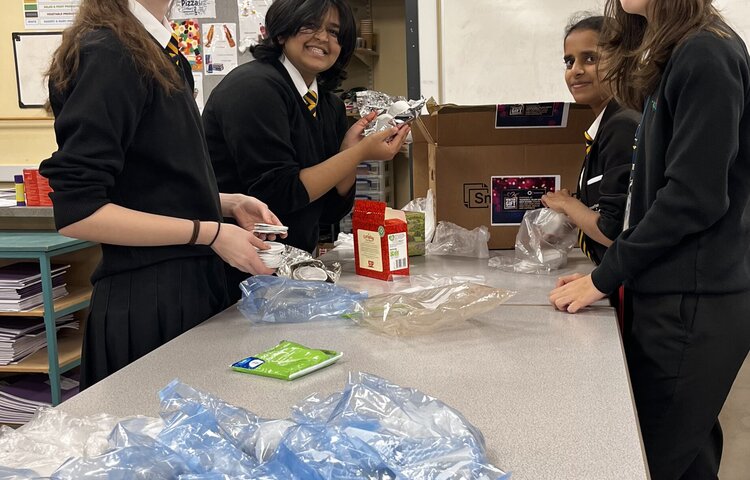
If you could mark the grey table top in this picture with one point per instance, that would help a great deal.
(23, 212)
(531, 289)
(548, 390)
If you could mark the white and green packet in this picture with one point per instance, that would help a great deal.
(287, 361)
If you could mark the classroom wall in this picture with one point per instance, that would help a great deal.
(509, 51)
(26, 135)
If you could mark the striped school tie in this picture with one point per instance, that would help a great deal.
(581, 237)
(173, 49)
(311, 99)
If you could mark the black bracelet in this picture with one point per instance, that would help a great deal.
(196, 230)
(218, 229)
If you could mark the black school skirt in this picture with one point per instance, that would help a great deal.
(135, 312)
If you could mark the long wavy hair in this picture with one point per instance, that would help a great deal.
(148, 57)
(285, 18)
(635, 51)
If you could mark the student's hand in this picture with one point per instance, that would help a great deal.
(236, 246)
(249, 210)
(558, 201)
(575, 293)
(354, 134)
(383, 145)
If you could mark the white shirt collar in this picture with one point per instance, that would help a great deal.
(594, 128)
(297, 79)
(161, 31)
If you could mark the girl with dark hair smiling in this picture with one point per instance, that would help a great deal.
(685, 252)
(603, 184)
(276, 131)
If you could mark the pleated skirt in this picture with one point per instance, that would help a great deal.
(135, 312)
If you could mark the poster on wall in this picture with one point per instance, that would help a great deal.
(513, 196)
(220, 48)
(33, 54)
(183, 9)
(198, 90)
(49, 14)
(252, 15)
(189, 33)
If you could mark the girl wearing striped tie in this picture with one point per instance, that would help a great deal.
(685, 252)
(603, 184)
(132, 172)
(276, 131)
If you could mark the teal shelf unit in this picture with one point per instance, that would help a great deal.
(42, 247)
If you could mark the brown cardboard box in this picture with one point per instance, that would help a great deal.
(459, 149)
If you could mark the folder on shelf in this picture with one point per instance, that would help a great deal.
(22, 274)
(22, 395)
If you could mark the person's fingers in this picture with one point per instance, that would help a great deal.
(258, 243)
(400, 138)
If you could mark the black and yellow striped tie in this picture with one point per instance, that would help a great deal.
(311, 99)
(581, 237)
(173, 48)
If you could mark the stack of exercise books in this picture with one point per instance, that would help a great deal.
(22, 395)
(22, 336)
(21, 286)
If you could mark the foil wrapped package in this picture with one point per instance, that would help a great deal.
(300, 265)
(392, 111)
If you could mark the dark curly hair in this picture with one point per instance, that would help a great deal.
(285, 18)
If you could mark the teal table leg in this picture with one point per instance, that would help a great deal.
(50, 326)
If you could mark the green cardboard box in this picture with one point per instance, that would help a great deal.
(415, 233)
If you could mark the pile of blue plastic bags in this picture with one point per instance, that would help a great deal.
(372, 429)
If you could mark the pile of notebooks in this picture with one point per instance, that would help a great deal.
(22, 395)
(22, 336)
(21, 286)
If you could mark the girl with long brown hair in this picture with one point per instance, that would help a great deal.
(685, 251)
(132, 172)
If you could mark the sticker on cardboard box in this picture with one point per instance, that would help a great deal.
(513, 196)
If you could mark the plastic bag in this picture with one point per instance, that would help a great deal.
(543, 243)
(451, 239)
(132, 455)
(51, 437)
(240, 425)
(428, 310)
(284, 300)
(287, 361)
(427, 206)
(417, 436)
(195, 433)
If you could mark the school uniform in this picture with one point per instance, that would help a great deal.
(261, 133)
(123, 140)
(603, 183)
(685, 255)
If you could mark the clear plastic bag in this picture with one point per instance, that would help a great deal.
(285, 300)
(427, 206)
(428, 310)
(133, 455)
(51, 437)
(417, 436)
(451, 239)
(543, 243)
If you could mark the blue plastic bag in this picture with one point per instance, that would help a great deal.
(272, 299)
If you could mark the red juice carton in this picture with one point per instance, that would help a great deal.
(44, 190)
(31, 186)
(380, 240)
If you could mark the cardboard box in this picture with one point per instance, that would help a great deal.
(380, 245)
(415, 233)
(460, 150)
